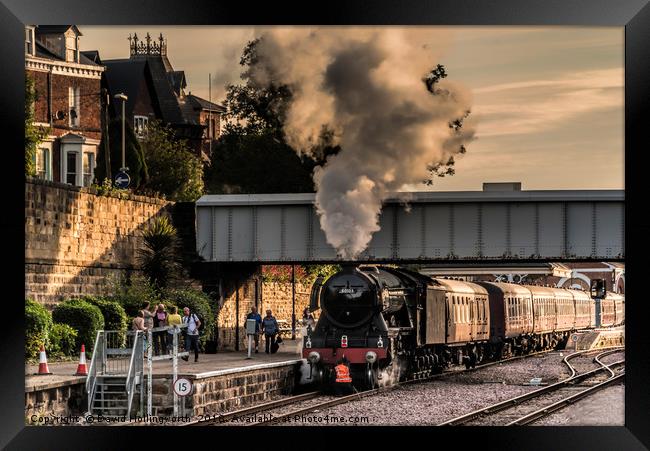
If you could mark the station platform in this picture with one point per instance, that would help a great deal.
(221, 381)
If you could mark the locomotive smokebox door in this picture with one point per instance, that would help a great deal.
(436, 321)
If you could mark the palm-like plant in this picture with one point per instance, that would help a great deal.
(159, 259)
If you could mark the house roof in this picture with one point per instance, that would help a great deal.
(203, 104)
(92, 55)
(56, 29)
(44, 52)
(125, 76)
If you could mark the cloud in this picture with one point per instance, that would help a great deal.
(534, 105)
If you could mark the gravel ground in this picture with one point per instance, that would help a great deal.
(432, 403)
(615, 357)
(605, 408)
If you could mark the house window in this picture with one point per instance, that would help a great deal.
(71, 168)
(89, 166)
(43, 169)
(71, 54)
(140, 125)
(29, 41)
(74, 106)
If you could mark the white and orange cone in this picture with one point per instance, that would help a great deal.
(42, 363)
(82, 370)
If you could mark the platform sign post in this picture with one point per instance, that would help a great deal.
(175, 369)
(251, 326)
(149, 370)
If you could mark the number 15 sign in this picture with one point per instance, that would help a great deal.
(182, 386)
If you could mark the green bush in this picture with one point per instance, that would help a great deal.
(198, 302)
(63, 340)
(38, 323)
(82, 316)
(131, 295)
(114, 315)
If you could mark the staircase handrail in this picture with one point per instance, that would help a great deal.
(131, 376)
(91, 379)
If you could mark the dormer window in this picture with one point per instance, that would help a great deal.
(71, 48)
(29, 41)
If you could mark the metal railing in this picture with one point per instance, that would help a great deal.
(91, 380)
(136, 368)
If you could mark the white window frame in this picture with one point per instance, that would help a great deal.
(91, 174)
(74, 49)
(48, 160)
(74, 102)
(140, 131)
(30, 44)
(79, 149)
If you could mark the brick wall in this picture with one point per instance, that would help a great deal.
(75, 239)
(274, 295)
(89, 114)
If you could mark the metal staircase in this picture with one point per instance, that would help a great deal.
(116, 374)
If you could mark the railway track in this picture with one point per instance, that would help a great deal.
(275, 412)
(526, 409)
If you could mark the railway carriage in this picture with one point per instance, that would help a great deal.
(584, 309)
(511, 316)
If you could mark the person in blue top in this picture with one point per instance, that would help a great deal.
(270, 328)
(258, 325)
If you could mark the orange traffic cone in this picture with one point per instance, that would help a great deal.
(82, 370)
(42, 363)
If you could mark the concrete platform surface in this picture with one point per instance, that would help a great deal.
(208, 364)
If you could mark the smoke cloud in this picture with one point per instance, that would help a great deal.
(366, 86)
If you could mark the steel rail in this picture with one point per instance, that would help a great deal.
(545, 411)
(512, 402)
(359, 395)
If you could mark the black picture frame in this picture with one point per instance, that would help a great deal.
(634, 15)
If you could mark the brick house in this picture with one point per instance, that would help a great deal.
(156, 91)
(67, 85)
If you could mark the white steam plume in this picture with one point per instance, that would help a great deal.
(366, 85)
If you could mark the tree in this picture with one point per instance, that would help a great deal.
(158, 256)
(253, 144)
(135, 159)
(33, 134)
(172, 167)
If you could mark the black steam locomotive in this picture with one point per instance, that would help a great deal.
(392, 323)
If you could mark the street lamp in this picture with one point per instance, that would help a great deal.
(121, 96)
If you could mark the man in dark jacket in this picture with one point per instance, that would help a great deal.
(258, 325)
(270, 328)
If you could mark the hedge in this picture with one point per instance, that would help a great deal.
(82, 316)
(38, 322)
(114, 315)
(63, 341)
(131, 296)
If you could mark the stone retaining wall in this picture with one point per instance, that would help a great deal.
(76, 239)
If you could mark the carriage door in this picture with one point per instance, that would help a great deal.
(436, 318)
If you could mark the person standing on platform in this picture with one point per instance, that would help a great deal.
(270, 328)
(192, 333)
(160, 337)
(148, 315)
(258, 325)
(173, 319)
